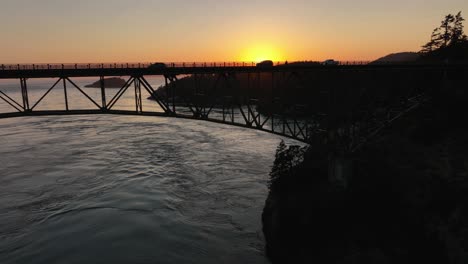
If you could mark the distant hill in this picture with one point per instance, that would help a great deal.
(113, 82)
(455, 53)
(399, 57)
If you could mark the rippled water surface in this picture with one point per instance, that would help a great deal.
(131, 190)
(119, 189)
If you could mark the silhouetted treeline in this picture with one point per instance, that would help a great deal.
(449, 33)
(448, 43)
(453, 54)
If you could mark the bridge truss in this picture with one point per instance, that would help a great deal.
(339, 106)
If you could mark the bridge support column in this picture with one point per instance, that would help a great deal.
(138, 101)
(24, 94)
(65, 92)
(170, 82)
(103, 94)
(340, 169)
(228, 109)
(226, 94)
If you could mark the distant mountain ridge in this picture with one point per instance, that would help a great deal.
(399, 57)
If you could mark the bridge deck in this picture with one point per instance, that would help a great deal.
(30, 71)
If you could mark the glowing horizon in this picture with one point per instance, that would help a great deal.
(91, 31)
(262, 51)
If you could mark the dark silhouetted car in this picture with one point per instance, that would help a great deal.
(157, 65)
(266, 63)
(330, 62)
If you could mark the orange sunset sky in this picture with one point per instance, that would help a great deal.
(70, 31)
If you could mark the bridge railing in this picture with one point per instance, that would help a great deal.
(142, 65)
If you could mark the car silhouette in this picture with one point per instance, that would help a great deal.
(330, 62)
(265, 63)
(157, 65)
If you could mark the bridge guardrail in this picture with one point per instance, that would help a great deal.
(141, 65)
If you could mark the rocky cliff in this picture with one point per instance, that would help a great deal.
(406, 201)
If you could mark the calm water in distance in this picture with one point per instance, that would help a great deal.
(119, 189)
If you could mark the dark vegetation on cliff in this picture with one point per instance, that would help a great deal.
(406, 201)
(448, 43)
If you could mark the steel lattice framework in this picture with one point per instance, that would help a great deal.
(341, 106)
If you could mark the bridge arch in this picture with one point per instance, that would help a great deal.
(150, 114)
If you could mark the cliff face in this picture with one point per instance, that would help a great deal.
(406, 202)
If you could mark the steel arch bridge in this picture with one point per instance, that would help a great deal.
(340, 106)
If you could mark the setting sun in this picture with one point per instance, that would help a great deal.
(259, 53)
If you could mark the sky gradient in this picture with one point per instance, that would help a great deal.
(72, 31)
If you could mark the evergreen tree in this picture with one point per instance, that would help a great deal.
(448, 33)
(447, 29)
(286, 160)
(435, 42)
(457, 34)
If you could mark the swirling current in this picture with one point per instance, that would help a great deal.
(120, 189)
